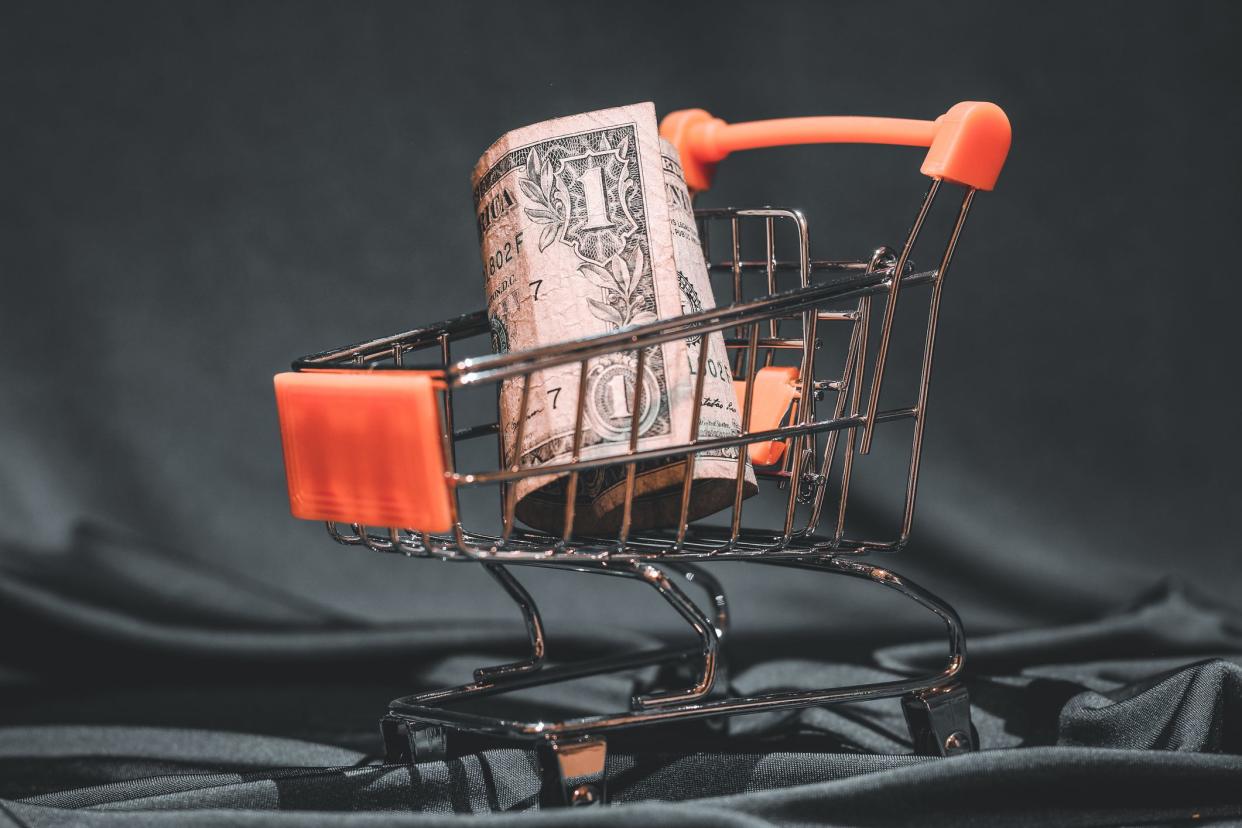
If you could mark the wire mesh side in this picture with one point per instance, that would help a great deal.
(758, 333)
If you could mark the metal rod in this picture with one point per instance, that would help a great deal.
(715, 319)
(779, 433)
(417, 707)
(534, 629)
(571, 490)
(743, 452)
(703, 543)
(851, 435)
(702, 626)
(806, 402)
(929, 348)
(890, 310)
(696, 409)
(449, 448)
(631, 469)
(510, 491)
(737, 281)
(806, 414)
(711, 585)
(495, 367)
(851, 451)
(547, 675)
(810, 343)
(489, 683)
(764, 342)
(339, 536)
(447, 357)
(375, 542)
(830, 448)
(854, 373)
(769, 257)
(784, 265)
(477, 323)
(470, 324)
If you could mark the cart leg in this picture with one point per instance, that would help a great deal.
(396, 749)
(939, 720)
(709, 630)
(715, 594)
(702, 625)
(938, 715)
(406, 742)
(711, 586)
(534, 629)
(574, 771)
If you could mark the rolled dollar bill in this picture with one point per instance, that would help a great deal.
(586, 228)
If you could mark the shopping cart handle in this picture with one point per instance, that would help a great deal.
(365, 447)
(967, 145)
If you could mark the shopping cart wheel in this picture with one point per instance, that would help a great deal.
(573, 770)
(939, 721)
(406, 742)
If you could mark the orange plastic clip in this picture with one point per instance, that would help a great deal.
(967, 145)
(776, 387)
(365, 447)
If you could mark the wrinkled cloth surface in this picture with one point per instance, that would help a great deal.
(197, 193)
(1132, 718)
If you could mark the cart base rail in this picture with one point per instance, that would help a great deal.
(574, 750)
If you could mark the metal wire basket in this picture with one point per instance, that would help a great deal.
(372, 441)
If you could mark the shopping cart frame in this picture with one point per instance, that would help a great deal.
(757, 331)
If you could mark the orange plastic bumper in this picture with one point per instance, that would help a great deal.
(365, 447)
(775, 390)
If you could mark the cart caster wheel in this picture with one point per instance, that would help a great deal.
(573, 771)
(957, 742)
(407, 742)
(939, 721)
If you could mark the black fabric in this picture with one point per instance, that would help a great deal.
(1132, 718)
(194, 194)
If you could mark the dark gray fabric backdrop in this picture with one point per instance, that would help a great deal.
(195, 193)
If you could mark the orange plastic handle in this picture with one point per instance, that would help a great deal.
(966, 145)
(365, 447)
(776, 389)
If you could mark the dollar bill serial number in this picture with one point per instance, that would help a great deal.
(503, 255)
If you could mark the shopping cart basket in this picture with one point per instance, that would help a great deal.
(372, 440)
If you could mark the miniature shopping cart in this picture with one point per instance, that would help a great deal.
(374, 442)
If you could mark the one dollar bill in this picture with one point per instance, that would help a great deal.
(586, 228)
